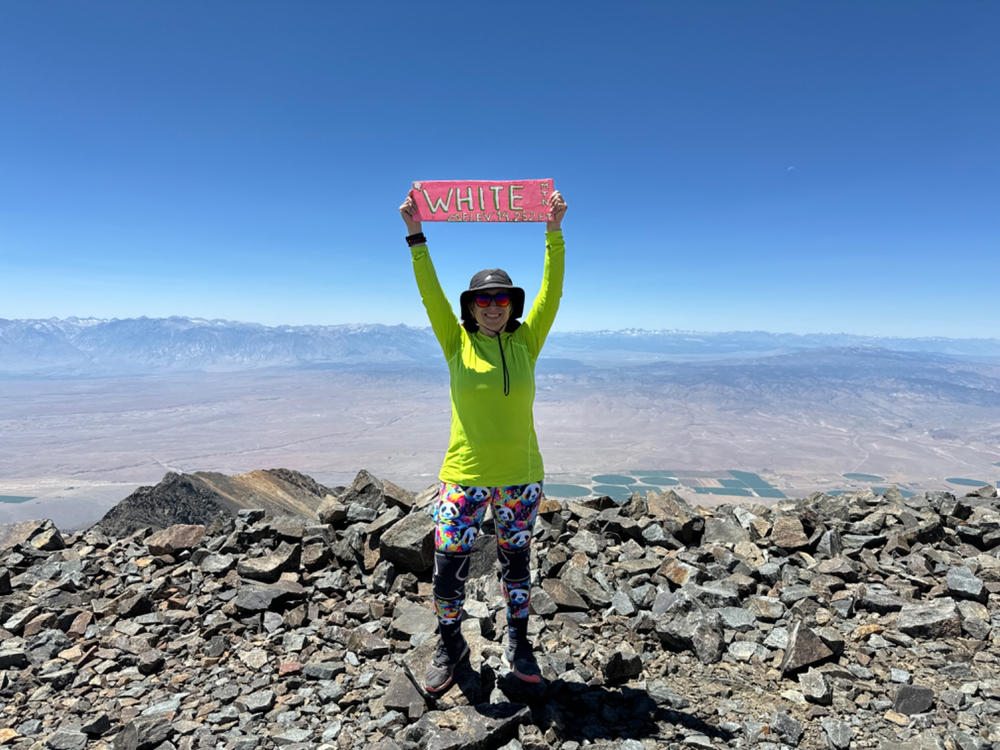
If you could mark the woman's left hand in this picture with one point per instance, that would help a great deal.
(558, 204)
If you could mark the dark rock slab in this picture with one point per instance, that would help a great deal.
(367, 644)
(16, 622)
(174, 538)
(964, 585)
(681, 573)
(786, 727)
(623, 604)
(151, 661)
(261, 598)
(815, 688)
(737, 618)
(541, 603)
(841, 567)
(724, 531)
(621, 665)
(698, 631)
(410, 618)
(936, 619)
(765, 608)
(586, 587)
(256, 702)
(365, 490)
(331, 511)
(133, 604)
(13, 658)
(288, 528)
(486, 725)
(804, 649)
(35, 533)
(217, 564)
(713, 594)
(677, 516)
(143, 733)
(268, 568)
(879, 598)
(409, 543)
(913, 699)
(838, 733)
(67, 739)
(563, 596)
(323, 670)
(402, 695)
(788, 533)
(829, 544)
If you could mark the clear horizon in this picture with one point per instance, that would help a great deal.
(795, 168)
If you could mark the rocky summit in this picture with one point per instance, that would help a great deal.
(856, 621)
(206, 495)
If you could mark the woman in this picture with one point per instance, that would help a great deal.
(492, 458)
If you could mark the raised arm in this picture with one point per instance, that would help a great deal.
(439, 311)
(543, 311)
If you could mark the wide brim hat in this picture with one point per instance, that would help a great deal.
(492, 278)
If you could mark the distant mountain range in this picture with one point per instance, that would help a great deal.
(92, 347)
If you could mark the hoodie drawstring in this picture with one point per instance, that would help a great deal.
(503, 362)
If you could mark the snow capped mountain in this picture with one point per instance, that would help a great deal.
(139, 345)
(89, 346)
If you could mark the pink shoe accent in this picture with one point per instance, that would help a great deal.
(534, 679)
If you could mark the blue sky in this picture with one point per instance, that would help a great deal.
(786, 166)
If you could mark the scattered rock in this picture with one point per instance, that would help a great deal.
(936, 619)
(174, 538)
(485, 725)
(622, 665)
(409, 544)
(804, 648)
(964, 585)
(859, 620)
(788, 533)
(913, 699)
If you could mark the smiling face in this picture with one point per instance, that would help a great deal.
(493, 318)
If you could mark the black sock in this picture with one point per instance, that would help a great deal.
(517, 630)
(450, 633)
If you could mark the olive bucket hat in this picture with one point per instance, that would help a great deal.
(492, 278)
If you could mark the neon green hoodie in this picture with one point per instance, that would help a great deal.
(493, 442)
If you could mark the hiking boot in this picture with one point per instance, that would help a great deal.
(522, 662)
(441, 671)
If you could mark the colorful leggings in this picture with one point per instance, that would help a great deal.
(458, 515)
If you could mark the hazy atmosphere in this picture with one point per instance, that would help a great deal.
(89, 410)
(803, 167)
(826, 172)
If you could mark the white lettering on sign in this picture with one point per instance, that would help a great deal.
(439, 204)
(483, 200)
(512, 198)
(467, 200)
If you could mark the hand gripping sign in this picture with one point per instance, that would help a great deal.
(483, 200)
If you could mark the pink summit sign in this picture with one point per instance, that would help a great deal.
(482, 200)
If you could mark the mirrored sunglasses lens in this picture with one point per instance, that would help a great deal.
(502, 299)
(483, 300)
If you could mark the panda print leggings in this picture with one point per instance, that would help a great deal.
(458, 516)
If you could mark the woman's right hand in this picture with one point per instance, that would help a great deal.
(409, 211)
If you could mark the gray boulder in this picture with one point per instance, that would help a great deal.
(409, 543)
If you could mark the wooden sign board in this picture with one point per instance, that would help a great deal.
(483, 200)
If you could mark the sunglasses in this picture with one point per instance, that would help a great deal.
(502, 299)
